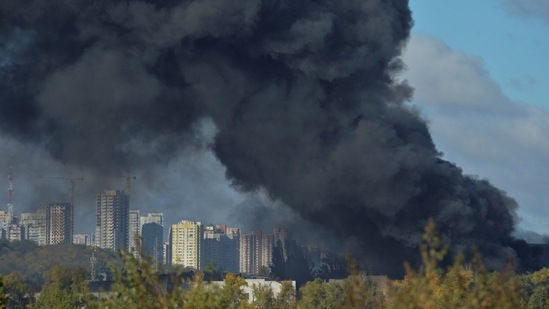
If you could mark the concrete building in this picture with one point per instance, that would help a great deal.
(221, 248)
(153, 217)
(82, 239)
(152, 239)
(253, 284)
(34, 225)
(112, 228)
(11, 228)
(5, 219)
(256, 252)
(186, 243)
(59, 223)
(134, 231)
(167, 251)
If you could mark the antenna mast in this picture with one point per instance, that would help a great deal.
(10, 194)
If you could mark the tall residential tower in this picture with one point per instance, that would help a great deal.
(186, 243)
(59, 223)
(112, 230)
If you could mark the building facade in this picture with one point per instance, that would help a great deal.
(112, 229)
(221, 248)
(186, 244)
(59, 223)
(34, 225)
(153, 217)
(256, 252)
(133, 231)
(152, 240)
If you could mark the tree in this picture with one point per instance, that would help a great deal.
(137, 285)
(286, 297)
(2, 295)
(540, 293)
(321, 295)
(263, 297)
(458, 287)
(18, 291)
(65, 288)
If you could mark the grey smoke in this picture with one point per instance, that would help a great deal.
(302, 95)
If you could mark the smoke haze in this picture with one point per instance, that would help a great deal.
(297, 99)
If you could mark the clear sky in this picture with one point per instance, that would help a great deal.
(479, 69)
(512, 46)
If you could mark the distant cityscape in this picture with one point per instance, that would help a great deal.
(190, 244)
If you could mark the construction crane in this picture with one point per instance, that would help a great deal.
(128, 182)
(72, 183)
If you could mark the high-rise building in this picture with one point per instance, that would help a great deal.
(256, 252)
(152, 235)
(153, 217)
(59, 223)
(186, 243)
(221, 248)
(133, 231)
(112, 229)
(34, 225)
(167, 251)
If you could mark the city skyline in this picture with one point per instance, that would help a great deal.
(355, 126)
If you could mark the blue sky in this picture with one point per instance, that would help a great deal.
(479, 69)
(512, 45)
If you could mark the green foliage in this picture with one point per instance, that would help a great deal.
(2, 294)
(65, 288)
(535, 289)
(18, 291)
(321, 295)
(359, 291)
(286, 297)
(32, 261)
(138, 285)
(263, 297)
(458, 287)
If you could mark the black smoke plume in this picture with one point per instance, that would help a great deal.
(304, 97)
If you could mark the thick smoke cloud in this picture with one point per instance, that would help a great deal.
(303, 95)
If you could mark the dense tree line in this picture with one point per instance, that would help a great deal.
(139, 285)
(27, 268)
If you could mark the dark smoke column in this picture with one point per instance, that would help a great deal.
(303, 95)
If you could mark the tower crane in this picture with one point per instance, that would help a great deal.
(128, 178)
(71, 181)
